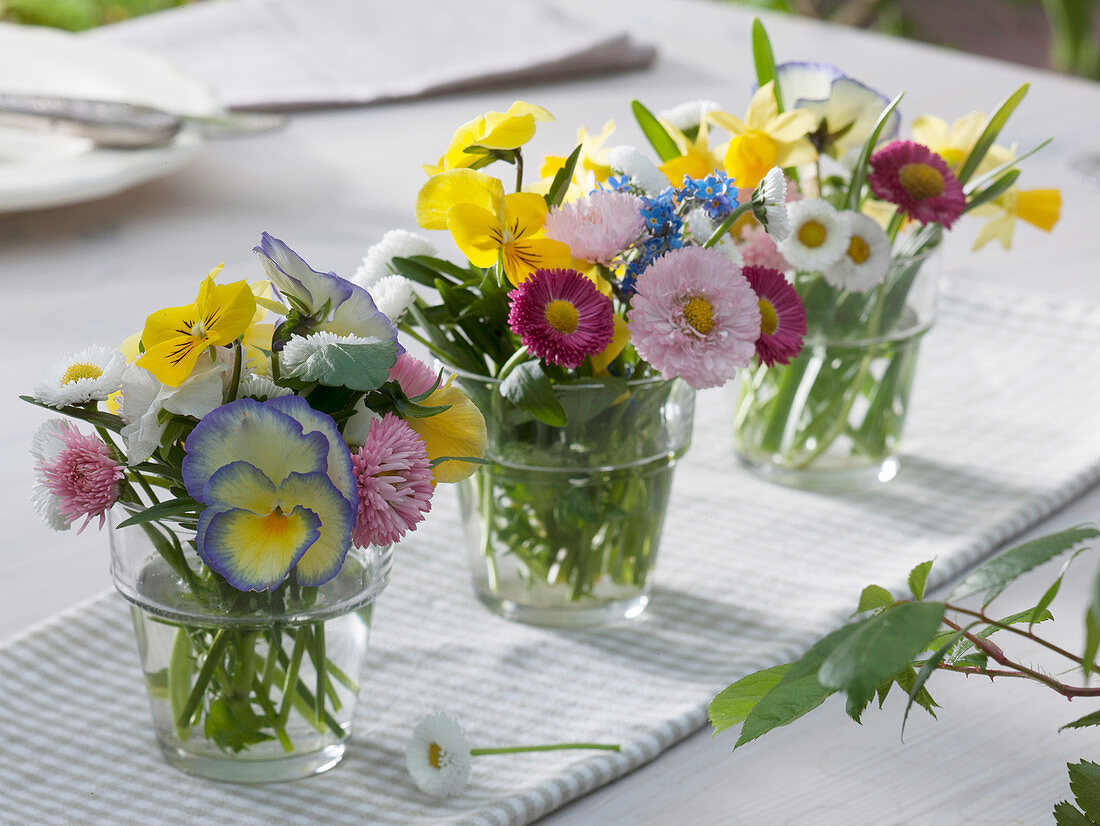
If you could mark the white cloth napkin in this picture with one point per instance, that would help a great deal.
(290, 54)
(1002, 432)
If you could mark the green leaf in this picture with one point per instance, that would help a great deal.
(874, 596)
(734, 702)
(162, 510)
(763, 59)
(989, 134)
(993, 191)
(1066, 815)
(884, 645)
(1084, 782)
(782, 705)
(1092, 719)
(659, 139)
(1092, 641)
(556, 194)
(108, 421)
(420, 272)
(859, 171)
(1014, 619)
(917, 579)
(994, 575)
(925, 672)
(907, 680)
(528, 388)
(360, 367)
(1007, 165)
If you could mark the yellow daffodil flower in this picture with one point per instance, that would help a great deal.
(697, 159)
(591, 169)
(1039, 207)
(765, 138)
(257, 338)
(954, 143)
(489, 226)
(493, 130)
(175, 337)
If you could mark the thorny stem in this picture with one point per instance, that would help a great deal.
(1029, 634)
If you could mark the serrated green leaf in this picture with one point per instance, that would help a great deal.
(763, 59)
(162, 510)
(1092, 719)
(989, 134)
(881, 648)
(855, 709)
(556, 194)
(1092, 641)
(918, 577)
(360, 367)
(1014, 619)
(782, 705)
(925, 672)
(734, 702)
(658, 137)
(906, 680)
(992, 577)
(874, 596)
(1084, 782)
(529, 389)
(1066, 815)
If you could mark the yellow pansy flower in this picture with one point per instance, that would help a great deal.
(955, 142)
(489, 226)
(175, 337)
(1039, 207)
(493, 130)
(765, 138)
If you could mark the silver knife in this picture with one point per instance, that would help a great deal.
(122, 125)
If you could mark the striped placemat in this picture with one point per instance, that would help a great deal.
(1001, 433)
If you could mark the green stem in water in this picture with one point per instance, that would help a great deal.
(213, 658)
(513, 362)
(292, 672)
(554, 747)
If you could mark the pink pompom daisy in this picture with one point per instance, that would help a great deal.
(395, 482)
(695, 316)
(918, 181)
(782, 316)
(599, 227)
(78, 471)
(414, 376)
(759, 249)
(560, 316)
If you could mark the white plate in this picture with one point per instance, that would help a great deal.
(39, 169)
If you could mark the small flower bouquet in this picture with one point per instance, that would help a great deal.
(257, 475)
(866, 213)
(590, 304)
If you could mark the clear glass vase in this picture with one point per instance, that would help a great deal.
(562, 528)
(246, 687)
(832, 419)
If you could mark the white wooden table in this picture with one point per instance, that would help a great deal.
(333, 182)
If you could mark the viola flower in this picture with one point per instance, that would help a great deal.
(599, 227)
(493, 130)
(695, 316)
(175, 337)
(818, 235)
(459, 431)
(759, 249)
(326, 301)
(489, 226)
(76, 476)
(280, 492)
(770, 204)
(918, 181)
(867, 259)
(561, 317)
(765, 138)
(394, 480)
(91, 375)
(782, 316)
(438, 756)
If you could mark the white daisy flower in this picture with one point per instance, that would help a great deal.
(771, 196)
(689, 114)
(300, 349)
(378, 262)
(261, 388)
(438, 756)
(392, 295)
(91, 375)
(643, 173)
(819, 236)
(867, 258)
(700, 225)
(46, 445)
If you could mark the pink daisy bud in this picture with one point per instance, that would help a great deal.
(918, 181)
(782, 316)
(560, 316)
(395, 482)
(82, 475)
(599, 227)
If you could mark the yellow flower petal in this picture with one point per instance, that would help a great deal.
(726, 121)
(457, 431)
(792, 154)
(1039, 207)
(456, 186)
(999, 228)
(693, 163)
(762, 108)
(524, 213)
(619, 339)
(750, 157)
(523, 256)
(791, 125)
(477, 232)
